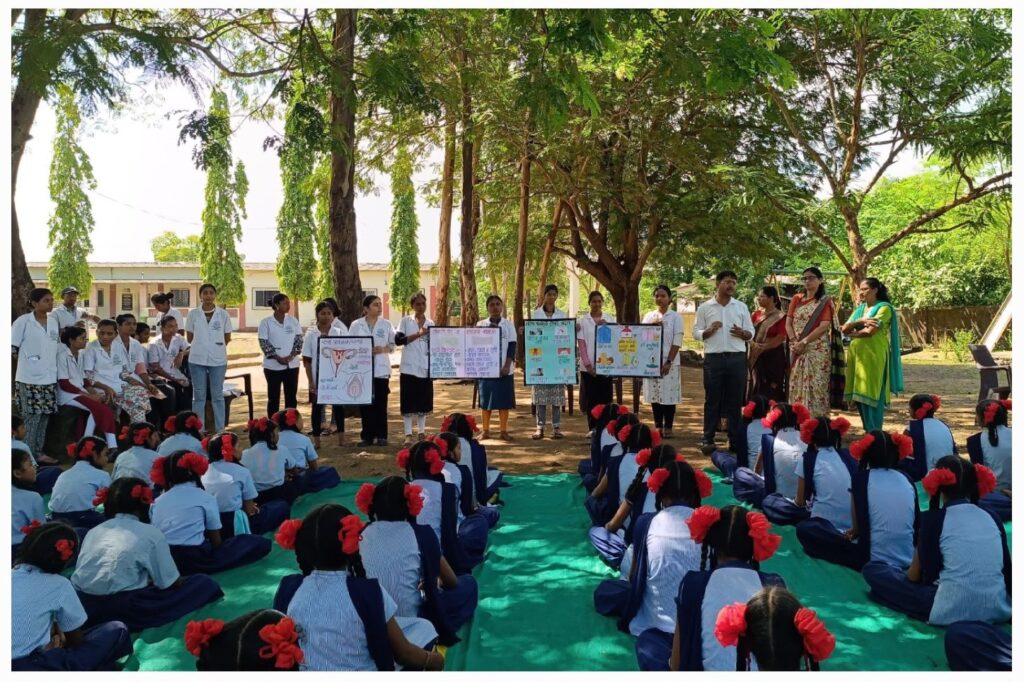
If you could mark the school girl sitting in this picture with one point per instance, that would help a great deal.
(259, 641)
(781, 455)
(462, 544)
(46, 475)
(405, 558)
(273, 468)
(71, 389)
(345, 620)
(773, 632)
(664, 552)
(459, 474)
(932, 438)
(622, 470)
(185, 431)
(310, 477)
(753, 412)
(27, 507)
(961, 567)
(601, 442)
(486, 479)
(994, 448)
(733, 542)
(141, 441)
(973, 645)
(46, 615)
(125, 571)
(232, 485)
(73, 493)
(108, 366)
(602, 504)
(189, 518)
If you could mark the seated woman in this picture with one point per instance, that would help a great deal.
(753, 413)
(994, 449)
(186, 433)
(232, 485)
(139, 441)
(486, 479)
(601, 442)
(189, 518)
(72, 498)
(273, 469)
(28, 510)
(932, 438)
(961, 568)
(604, 498)
(664, 552)
(458, 474)
(125, 571)
(264, 640)
(782, 453)
(733, 543)
(310, 476)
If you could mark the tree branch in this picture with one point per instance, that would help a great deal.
(894, 151)
(852, 142)
(787, 116)
(828, 78)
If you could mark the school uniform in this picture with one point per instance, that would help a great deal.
(208, 360)
(973, 645)
(500, 393)
(280, 339)
(748, 449)
(136, 462)
(932, 441)
(46, 476)
(38, 601)
(999, 459)
(594, 390)
(615, 549)
(71, 391)
(181, 441)
(461, 476)
(125, 573)
(342, 623)
(416, 388)
(590, 469)
(486, 479)
(162, 355)
(66, 317)
(184, 514)
(26, 506)
(310, 346)
(110, 367)
(701, 595)
(965, 569)
(781, 456)
(71, 500)
(375, 416)
(302, 451)
(231, 484)
(268, 468)
(463, 544)
(35, 379)
(828, 475)
(602, 509)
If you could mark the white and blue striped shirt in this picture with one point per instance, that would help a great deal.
(38, 600)
(627, 472)
(123, 554)
(184, 514)
(891, 500)
(390, 554)
(831, 489)
(298, 444)
(26, 506)
(727, 585)
(430, 515)
(789, 456)
(938, 440)
(755, 430)
(268, 466)
(671, 554)
(998, 457)
(135, 462)
(453, 475)
(181, 441)
(230, 483)
(75, 488)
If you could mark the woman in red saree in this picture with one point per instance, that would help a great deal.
(768, 361)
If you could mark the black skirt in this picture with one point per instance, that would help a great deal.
(415, 395)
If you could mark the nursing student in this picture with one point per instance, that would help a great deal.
(208, 329)
(280, 338)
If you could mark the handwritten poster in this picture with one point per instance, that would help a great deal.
(464, 353)
(628, 350)
(550, 352)
(345, 372)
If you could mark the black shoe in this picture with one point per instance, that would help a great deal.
(364, 444)
(707, 447)
(383, 442)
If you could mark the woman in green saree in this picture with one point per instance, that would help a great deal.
(874, 369)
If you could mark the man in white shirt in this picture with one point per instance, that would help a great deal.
(69, 313)
(723, 324)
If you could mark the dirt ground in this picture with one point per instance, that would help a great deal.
(925, 372)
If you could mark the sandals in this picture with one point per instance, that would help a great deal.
(557, 434)
(422, 436)
(408, 440)
(504, 436)
(486, 435)
(538, 434)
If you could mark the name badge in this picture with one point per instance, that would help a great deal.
(215, 325)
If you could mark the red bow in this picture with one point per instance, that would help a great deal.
(624, 432)
(623, 410)
(441, 444)
(701, 520)
(807, 430)
(748, 410)
(991, 410)
(610, 428)
(291, 417)
(704, 485)
(227, 448)
(657, 479)
(765, 543)
(402, 459)
(936, 479)
(414, 499)
(904, 444)
(643, 457)
(351, 527)
(446, 424)
(194, 462)
(471, 420)
(655, 437)
(83, 451)
(101, 497)
(364, 497)
(731, 624)
(926, 407)
(171, 424)
(205, 443)
(124, 433)
(156, 473)
(261, 424)
(819, 643)
(680, 458)
(199, 632)
(1007, 404)
(142, 435)
(840, 424)
(27, 530)
(433, 458)
(801, 412)
(768, 421)
(597, 410)
(986, 479)
(194, 422)
(281, 641)
(142, 493)
(287, 532)
(859, 447)
(65, 548)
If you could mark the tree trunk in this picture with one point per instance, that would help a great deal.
(444, 259)
(549, 244)
(342, 215)
(470, 309)
(859, 255)
(524, 225)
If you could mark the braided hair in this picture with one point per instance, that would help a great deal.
(263, 430)
(126, 496)
(882, 453)
(756, 408)
(660, 455)
(784, 416)
(288, 419)
(610, 412)
(130, 435)
(729, 536)
(681, 485)
(185, 421)
(452, 441)
(167, 473)
(640, 436)
(417, 465)
(460, 426)
(389, 502)
(918, 401)
(317, 544)
(77, 450)
(215, 446)
(237, 646)
(40, 547)
(999, 416)
(771, 634)
(965, 486)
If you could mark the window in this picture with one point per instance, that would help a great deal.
(85, 303)
(100, 293)
(181, 298)
(127, 302)
(369, 292)
(261, 297)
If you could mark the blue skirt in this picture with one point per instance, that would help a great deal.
(45, 478)
(973, 645)
(611, 597)
(999, 504)
(473, 538)
(151, 607)
(748, 486)
(88, 519)
(205, 558)
(498, 394)
(315, 480)
(724, 462)
(459, 603)
(653, 649)
(100, 648)
(491, 514)
(609, 545)
(286, 589)
(270, 516)
(821, 540)
(782, 511)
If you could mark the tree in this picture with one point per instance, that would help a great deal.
(405, 261)
(71, 222)
(168, 247)
(444, 257)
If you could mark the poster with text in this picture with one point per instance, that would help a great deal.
(550, 352)
(345, 371)
(464, 353)
(628, 350)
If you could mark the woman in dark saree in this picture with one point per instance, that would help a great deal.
(768, 361)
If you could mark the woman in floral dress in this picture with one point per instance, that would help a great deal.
(809, 320)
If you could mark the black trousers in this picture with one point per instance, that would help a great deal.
(289, 378)
(375, 415)
(664, 415)
(170, 405)
(594, 391)
(337, 417)
(725, 379)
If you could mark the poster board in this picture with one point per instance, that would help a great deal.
(550, 354)
(344, 374)
(628, 350)
(464, 353)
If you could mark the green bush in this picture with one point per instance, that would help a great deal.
(956, 344)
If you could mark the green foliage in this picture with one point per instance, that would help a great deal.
(319, 184)
(168, 247)
(956, 344)
(71, 223)
(405, 261)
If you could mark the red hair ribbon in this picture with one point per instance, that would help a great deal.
(926, 407)
(597, 410)
(142, 435)
(819, 643)
(936, 479)
(351, 527)
(414, 499)
(1008, 404)
(623, 434)
(156, 473)
(904, 444)
(281, 639)
(101, 497)
(364, 497)
(748, 410)
(198, 633)
(291, 416)
(27, 530)
(680, 457)
(261, 424)
(768, 421)
(446, 424)
(643, 457)
(471, 420)
(124, 433)
(986, 479)
(287, 532)
(657, 479)
(194, 462)
(704, 485)
(701, 520)
(840, 424)
(991, 410)
(194, 422)
(83, 451)
(433, 458)
(807, 430)
(801, 412)
(227, 447)
(610, 428)
(765, 543)
(402, 459)
(655, 437)
(623, 410)
(731, 624)
(171, 424)
(70, 449)
(205, 443)
(441, 444)
(65, 548)
(771, 404)
(143, 493)
(859, 447)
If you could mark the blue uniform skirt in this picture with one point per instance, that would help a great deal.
(205, 558)
(600, 510)
(151, 607)
(459, 603)
(269, 517)
(782, 511)
(724, 462)
(653, 649)
(821, 540)
(473, 538)
(609, 545)
(748, 486)
(490, 514)
(45, 478)
(891, 587)
(498, 394)
(286, 589)
(611, 597)
(88, 519)
(974, 645)
(998, 504)
(315, 480)
(287, 491)
(100, 648)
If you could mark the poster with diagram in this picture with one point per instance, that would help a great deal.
(550, 352)
(345, 371)
(464, 353)
(628, 350)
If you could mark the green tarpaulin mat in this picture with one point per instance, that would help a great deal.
(536, 607)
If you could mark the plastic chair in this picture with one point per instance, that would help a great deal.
(988, 373)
